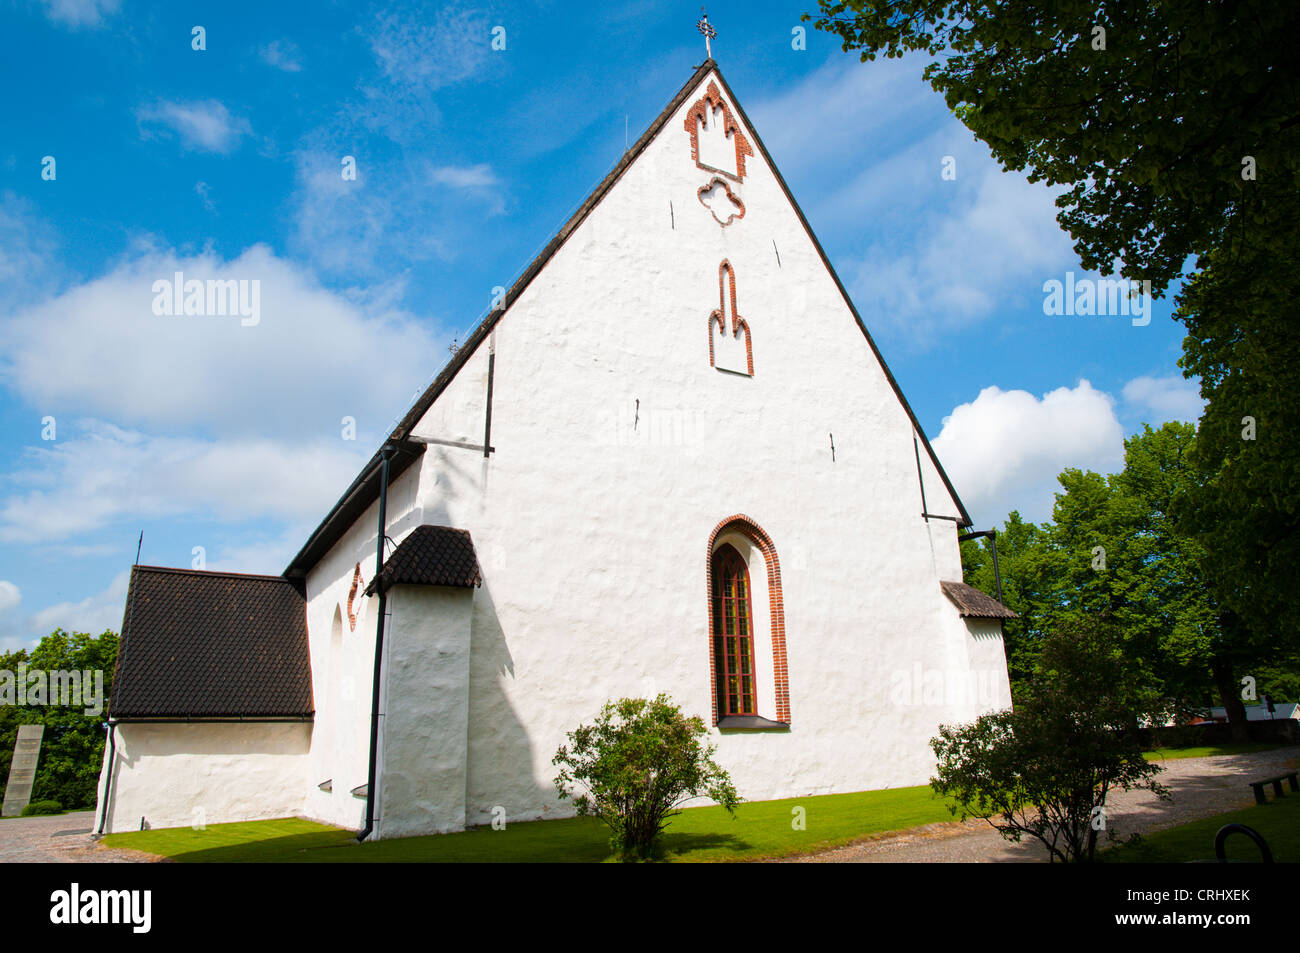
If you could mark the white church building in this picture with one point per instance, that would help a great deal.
(671, 460)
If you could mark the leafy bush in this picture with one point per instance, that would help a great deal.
(1046, 768)
(42, 808)
(639, 763)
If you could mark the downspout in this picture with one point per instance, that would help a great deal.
(992, 534)
(386, 453)
(108, 779)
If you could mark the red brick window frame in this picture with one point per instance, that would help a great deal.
(762, 543)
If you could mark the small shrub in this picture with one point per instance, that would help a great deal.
(639, 763)
(1046, 768)
(42, 808)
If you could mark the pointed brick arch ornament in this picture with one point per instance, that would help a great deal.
(727, 294)
(746, 527)
(702, 108)
(352, 594)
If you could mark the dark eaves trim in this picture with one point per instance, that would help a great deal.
(209, 719)
(354, 501)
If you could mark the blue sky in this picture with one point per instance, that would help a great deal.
(226, 162)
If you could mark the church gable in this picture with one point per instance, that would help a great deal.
(694, 226)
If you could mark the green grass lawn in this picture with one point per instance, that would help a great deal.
(760, 829)
(1278, 822)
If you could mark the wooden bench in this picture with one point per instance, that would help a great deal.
(1258, 786)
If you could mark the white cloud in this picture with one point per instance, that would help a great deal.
(27, 250)
(961, 261)
(465, 177)
(206, 126)
(10, 596)
(283, 55)
(476, 182)
(1005, 449)
(94, 614)
(79, 13)
(98, 350)
(936, 255)
(832, 114)
(417, 52)
(1160, 399)
(204, 192)
(360, 227)
(430, 50)
(102, 474)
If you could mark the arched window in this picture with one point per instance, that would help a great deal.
(733, 635)
(751, 685)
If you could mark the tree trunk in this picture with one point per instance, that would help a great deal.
(1230, 693)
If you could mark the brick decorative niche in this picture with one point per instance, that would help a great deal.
(704, 120)
(742, 524)
(722, 203)
(352, 594)
(718, 321)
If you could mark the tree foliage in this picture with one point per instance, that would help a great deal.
(1046, 768)
(636, 765)
(1147, 124)
(1243, 343)
(1115, 547)
(72, 747)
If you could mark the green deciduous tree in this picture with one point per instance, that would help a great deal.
(1117, 547)
(633, 768)
(72, 747)
(1046, 768)
(1244, 343)
(1145, 112)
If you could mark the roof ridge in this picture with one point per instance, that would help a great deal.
(179, 570)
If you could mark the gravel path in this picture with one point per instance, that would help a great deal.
(1201, 787)
(61, 839)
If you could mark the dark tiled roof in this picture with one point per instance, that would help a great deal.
(431, 556)
(212, 645)
(971, 602)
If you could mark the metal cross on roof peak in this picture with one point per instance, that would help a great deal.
(707, 30)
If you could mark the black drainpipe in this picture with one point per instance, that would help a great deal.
(992, 534)
(379, 647)
(108, 780)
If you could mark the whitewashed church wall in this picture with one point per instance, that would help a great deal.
(426, 711)
(619, 450)
(986, 648)
(341, 733)
(179, 775)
